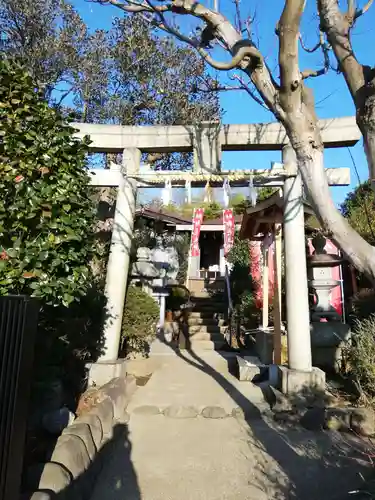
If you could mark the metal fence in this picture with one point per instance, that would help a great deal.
(18, 325)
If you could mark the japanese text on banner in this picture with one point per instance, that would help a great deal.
(197, 223)
(228, 221)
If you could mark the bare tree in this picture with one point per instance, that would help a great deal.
(288, 98)
(337, 26)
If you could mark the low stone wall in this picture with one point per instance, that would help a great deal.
(79, 452)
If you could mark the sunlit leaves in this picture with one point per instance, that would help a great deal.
(46, 212)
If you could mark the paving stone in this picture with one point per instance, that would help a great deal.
(146, 410)
(180, 412)
(214, 412)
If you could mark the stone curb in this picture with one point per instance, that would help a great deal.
(74, 463)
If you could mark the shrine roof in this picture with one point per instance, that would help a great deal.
(257, 221)
(163, 215)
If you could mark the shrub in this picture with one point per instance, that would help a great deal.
(178, 295)
(141, 315)
(46, 214)
(47, 217)
(242, 286)
(361, 357)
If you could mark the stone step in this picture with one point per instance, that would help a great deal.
(206, 328)
(206, 345)
(249, 367)
(210, 307)
(206, 336)
(200, 299)
(205, 321)
(206, 315)
(208, 296)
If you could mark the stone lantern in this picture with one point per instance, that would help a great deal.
(328, 334)
(150, 272)
(160, 259)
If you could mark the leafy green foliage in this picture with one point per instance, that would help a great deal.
(50, 39)
(126, 75)
(241, 281)
(46, 214)
(361, 357)
(359, 209)
(141, 315)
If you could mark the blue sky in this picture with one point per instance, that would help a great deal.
(331, 94)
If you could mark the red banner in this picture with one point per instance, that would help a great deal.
(196, 231)
(228, 219)
(255, 252)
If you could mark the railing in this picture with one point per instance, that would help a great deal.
(18, 325)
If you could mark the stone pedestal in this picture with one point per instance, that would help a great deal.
(264, 345)
(327, 343)
(301, 384)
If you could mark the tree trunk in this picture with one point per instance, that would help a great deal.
(365, 106)
(302, 127)
(360, 79)
(360, 253)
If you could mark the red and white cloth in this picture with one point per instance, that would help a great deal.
(197, 223)
(228, 221)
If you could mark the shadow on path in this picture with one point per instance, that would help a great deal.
(110, 476)
(294, 463)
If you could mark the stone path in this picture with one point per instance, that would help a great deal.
(171, 451)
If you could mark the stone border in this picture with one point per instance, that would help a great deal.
(73, 463)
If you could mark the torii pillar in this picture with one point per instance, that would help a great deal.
(300, 375)
(108, 365)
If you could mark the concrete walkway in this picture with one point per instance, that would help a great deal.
(176, 448)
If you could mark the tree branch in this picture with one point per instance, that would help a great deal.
(244, 54)
(337, 26)
(314, 73)
(360, 12)
(247, 89)
(306, 49)
(351, 11)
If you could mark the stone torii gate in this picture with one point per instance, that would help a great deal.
(207, 141)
